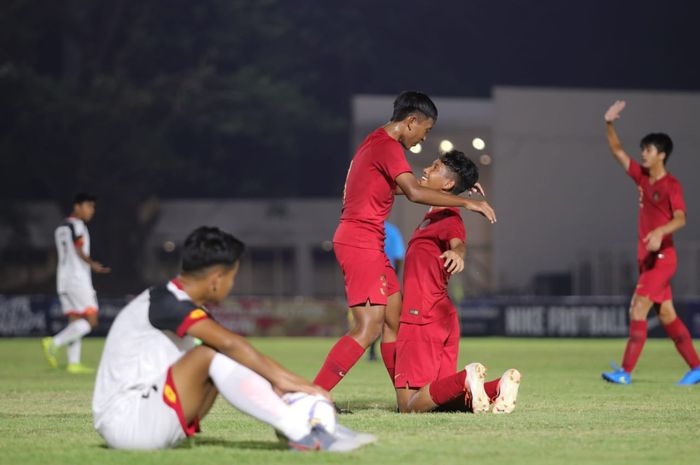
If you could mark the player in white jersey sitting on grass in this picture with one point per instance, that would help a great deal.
(74, 284)
(154, 385)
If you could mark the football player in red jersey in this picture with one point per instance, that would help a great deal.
(377, 173)
(427, 346)
(661, 213)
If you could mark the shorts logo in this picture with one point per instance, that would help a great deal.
(382, 289)
(169, 394)
(341, 373)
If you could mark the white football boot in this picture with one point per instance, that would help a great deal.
(507, 392)
(474, 385)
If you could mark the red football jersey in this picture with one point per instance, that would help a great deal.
(657, 202)
(369, 191)
(424, 278)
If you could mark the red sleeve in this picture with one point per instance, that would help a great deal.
(676, 197)
(452, 227)
(635, 171)
(391, 160)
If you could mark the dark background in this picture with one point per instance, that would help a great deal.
(140, 100)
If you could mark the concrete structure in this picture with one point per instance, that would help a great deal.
(289, 249)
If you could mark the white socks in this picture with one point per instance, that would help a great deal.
(74, 351)
(73, 332)
(252, 394)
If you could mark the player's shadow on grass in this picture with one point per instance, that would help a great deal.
(249, 445)
(219, 442)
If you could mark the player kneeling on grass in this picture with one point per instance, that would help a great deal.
(154, 385)
(427, 345)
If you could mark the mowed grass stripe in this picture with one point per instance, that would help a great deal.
(565, 412)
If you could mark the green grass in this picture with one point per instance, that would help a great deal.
(566, 413)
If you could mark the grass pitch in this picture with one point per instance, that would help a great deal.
(566, 414)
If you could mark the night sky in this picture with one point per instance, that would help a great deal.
(235, 98)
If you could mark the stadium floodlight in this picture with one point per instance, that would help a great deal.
(485, 159)
(446, 146)
(169, 246)
(478, 143)
(416, 148)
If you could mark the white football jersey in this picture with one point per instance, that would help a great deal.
(146, 338)
(73, 272)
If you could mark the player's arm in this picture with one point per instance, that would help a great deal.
(419, 194)
(654, 238)
(454, 258)
(477, 189)
(239, 349)
(96, 266)
(618, 152)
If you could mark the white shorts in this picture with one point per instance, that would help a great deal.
(79, 301)
(142, 419)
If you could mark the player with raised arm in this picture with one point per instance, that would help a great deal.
(74, 284)
(427, 347)
(378, 171)
(154, 385)
(661, 213)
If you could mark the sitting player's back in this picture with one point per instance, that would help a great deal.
(136, 352)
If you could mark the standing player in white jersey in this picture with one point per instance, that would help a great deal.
(154, 385)
(74, 284)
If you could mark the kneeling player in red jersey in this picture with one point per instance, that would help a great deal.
(154, 385)
(377, 173)
(427, 346)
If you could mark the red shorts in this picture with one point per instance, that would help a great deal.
(425, 353)
(368, 275)
(655, 273)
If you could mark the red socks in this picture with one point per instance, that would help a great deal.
(445, 389)
(491, 388)
(340, 359)
(635, 344)
(389, 356)
(678, 332)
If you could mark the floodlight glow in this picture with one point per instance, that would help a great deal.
(446, 146)
(169, 246)
(478, 143)
(416, 148)
(485, 159)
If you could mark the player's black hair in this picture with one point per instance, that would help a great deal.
(661, 141)
(410, 101)
(465, 171)
(208, 246)
(81, 197)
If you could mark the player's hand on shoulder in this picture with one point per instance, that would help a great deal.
(453, 262)
(477, 189)
(614, 111)
(482, 207)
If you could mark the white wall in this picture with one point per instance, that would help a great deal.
(556, 188)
